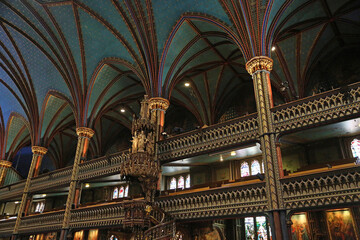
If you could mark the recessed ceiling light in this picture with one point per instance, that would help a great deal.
(187, 84)
(273, 48)
(221, 158)
(233, 153)
(44, 195)
(87, 185)
(122, 110)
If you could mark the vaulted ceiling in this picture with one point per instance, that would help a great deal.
(65, 64)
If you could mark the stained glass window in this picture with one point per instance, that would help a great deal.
(173, 183)
(121, 192)
(249, 228)
(255, 167)
(116, 193)
(245, 171)
(261, 227)
(181, 182)
(187, 182)
(126, 194)
(355, 148)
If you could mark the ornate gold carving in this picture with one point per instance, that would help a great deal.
(39, 150)
(158, 103)
(259, 63)
(85, 132)
(5, 163)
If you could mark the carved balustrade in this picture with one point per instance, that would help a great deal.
(50, 180)
(333, 187)
(234, 132)
(46, 222)
(224, 201)
(165, 230)
(111, 214)
(7, 227)
(12, 191)
(334, 105)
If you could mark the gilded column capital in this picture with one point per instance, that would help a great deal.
(85, 132)
(39, 150)
(158, 103)
(259, 63)
(5, 163)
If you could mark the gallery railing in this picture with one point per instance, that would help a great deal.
(335, 105)
(224, 135)
(223, 201)
(45, 222)
(325, 188)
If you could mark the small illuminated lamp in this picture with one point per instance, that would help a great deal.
(16, 202)
(221, 158)
(187, 84)
(273, 48)
(122, 110)
(44, 195)
(233, 153)
(87, 185)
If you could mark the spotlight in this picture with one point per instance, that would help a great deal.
(44, 195)
(17, 202)
(164, 133)
(273, 48)
(260, 176)
(233, 153)
(87, 185)
(187, 84)
(122, 110)
(221, 158)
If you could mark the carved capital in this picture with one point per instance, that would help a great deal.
(259, 63)
(85, 132)
(5, 163)
(39, 150)
(158, 103)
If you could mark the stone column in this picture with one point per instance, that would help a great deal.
(38, 154)
(259, 68)
(4, 166)
(158, 107)
(84, 136)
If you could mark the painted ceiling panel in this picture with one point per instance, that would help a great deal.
(18, 21)
(311, 11)
(64, 16)
(108, 11)
(42, 71)
(15, 126)
(63, 116)
(183, 36)
(52, 107)
(8, 102)
(326, 36)
(96, 37)
(121, 84)
(277, 68)
(288, 48)
(307, 41)
(276, 5)
(168, 13)
(353, 16)
(105, 76)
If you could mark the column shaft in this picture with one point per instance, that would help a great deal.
(259, 68)
(4, 166)
(84, 135)
(38, 154)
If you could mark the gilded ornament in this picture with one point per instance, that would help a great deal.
(39, 150)
(85, 132)
(259, 63)
(5, 163)
(158, 103)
